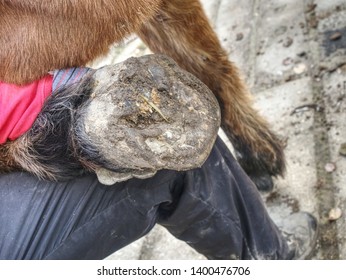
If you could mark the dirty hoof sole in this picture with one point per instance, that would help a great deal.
(147, 114)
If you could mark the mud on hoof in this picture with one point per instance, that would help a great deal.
(147, 114)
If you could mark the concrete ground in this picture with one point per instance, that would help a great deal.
(293, 56)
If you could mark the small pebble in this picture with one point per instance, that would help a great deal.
(330, 167)
(335, 36)
(288, 42)
(240, 36)
(300, 68)
(334, 214)
(287, 61)
(301, 54)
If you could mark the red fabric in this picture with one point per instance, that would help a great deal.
(20, 105)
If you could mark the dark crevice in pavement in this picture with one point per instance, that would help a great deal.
(253, 41)
(325, 191)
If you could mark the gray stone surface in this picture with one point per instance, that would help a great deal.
(293, 56)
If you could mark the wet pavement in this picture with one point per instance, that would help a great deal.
(293, 57)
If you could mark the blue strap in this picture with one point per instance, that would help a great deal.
(68, 76)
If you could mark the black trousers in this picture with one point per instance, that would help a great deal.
(216, 209)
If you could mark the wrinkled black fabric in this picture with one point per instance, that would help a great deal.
(216, 209)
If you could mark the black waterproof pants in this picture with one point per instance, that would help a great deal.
(216, 209)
